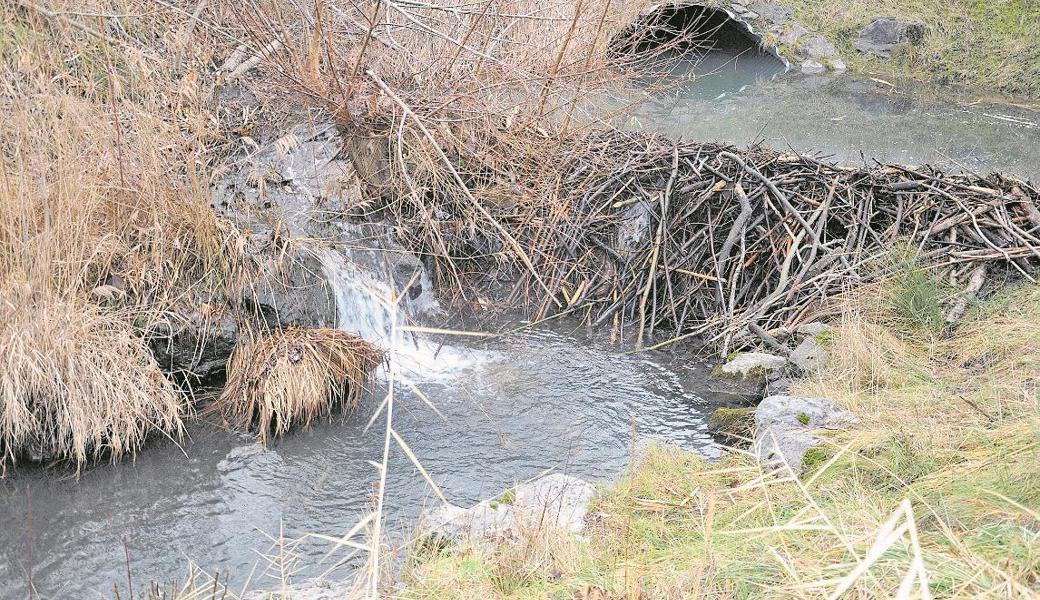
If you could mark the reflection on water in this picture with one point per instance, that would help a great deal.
(851, 119)
(520, 405)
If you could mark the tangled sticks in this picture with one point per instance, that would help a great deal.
(708, 240)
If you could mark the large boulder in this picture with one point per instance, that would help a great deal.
(884, 34)
(785, 425)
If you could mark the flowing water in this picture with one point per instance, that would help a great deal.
(511, 407)
(546, 398)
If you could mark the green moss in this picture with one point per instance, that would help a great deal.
(733, 426)
(803, 418)
(824, 339)
(815, 457)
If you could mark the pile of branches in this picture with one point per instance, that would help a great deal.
(641, 231)
(485, 132)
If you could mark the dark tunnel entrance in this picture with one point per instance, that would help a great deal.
(697, 47)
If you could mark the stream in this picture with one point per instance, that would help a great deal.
(551, 397)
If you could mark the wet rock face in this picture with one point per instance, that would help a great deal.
(292, 291)
(884, 35)
(194, 343)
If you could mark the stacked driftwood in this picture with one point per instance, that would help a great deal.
(691, 239)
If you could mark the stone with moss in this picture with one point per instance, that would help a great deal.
(732, 426)
(751, 366)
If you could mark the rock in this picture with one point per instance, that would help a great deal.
(198, 343)
(818, 47)
(784, 427)
(882, 35)
(779, 386)
(753, 365)
(292, 291)
(814, 329)
(777, 14)
(749, 15)
(634, 227)
(809, 356)
(449, 523)
(555, 501)
(795, 32)
(812, 67)
(837, 65)
(732, 426)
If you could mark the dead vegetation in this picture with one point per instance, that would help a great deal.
(105, 223)
(486, 138)
(647, 234)
(289, 378)
(932, 494)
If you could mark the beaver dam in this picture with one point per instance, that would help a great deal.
(646, 233)
(334, 264)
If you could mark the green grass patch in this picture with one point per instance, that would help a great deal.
(992, 46)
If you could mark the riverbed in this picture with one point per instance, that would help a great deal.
(554, 397)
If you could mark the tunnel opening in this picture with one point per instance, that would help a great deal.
(686, 42)
(688, 32)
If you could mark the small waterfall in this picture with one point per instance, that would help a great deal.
(363, 282)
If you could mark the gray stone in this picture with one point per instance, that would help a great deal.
(838, 65)
(634, 227)
(794, 32)
(749, 15)
(779, 386)
(812, 67)
(777, 14)
(815, 328)
(292, 291)
(809, 356)
(449, 523)
(818, 47)
(556, 501)
(784, 427)
(753, 365)
(884, 34)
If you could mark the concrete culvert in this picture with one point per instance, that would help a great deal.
(688, 32)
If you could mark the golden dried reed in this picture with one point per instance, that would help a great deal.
(288, 378)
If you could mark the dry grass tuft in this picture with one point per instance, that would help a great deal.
(75, 382)
(291, 377)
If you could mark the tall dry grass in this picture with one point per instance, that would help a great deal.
(105, 222)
